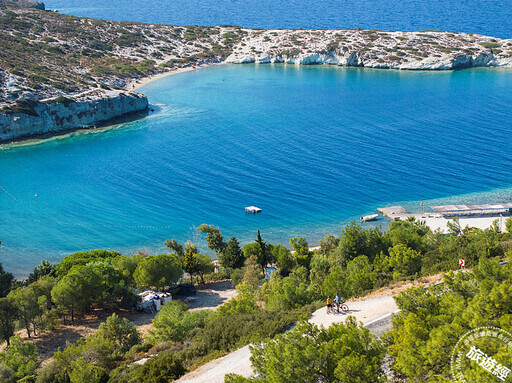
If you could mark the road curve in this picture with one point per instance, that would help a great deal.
(374, 313)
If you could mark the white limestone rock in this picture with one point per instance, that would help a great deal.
(87, 109)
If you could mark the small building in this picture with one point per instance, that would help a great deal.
(252, 209)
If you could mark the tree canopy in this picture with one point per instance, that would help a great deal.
(345, 353)
(158, 271)
(21, 357)
(6, 281)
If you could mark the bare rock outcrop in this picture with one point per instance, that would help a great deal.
(427, 50)
(29, 117)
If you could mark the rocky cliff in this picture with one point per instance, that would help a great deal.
(47, 58)
(30, 117)
(427, 50)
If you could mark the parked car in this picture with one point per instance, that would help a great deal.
(184, 289)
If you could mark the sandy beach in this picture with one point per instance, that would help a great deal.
(136, 84)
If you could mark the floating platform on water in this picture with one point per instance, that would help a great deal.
(252, 209)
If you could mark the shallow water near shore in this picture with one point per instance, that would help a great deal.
(314, 147)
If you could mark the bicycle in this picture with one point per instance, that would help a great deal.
(333, 310)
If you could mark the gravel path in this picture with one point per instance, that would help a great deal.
(238, 362)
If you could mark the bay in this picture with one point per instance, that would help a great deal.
(315, 147)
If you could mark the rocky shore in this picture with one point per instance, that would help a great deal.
(427, 50)
(48, 59)
(63, 114)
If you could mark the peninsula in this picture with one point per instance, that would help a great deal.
(60, 72)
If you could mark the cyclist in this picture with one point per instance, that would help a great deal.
(329, 303)
(337, 300)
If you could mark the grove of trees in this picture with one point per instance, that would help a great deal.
(358, 261)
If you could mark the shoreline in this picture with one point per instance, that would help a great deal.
(478, 222)
(38, 139)
(134, 85)
(117, 123)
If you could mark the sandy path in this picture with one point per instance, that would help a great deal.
(238, 362)
(212, 296)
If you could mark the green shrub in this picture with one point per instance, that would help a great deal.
(63, 100)
(174, 322)
(84, 372)
(489, 45)
(6, 374)
(341, 353)
(22, 107)
(21, 357)
(163, 368)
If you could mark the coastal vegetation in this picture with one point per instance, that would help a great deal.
(341, 353)
(48, 54)
(418, 348)
(357, 262)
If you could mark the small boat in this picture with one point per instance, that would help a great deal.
(252, 209)
(371, 217)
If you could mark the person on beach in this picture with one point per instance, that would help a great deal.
(329, 304)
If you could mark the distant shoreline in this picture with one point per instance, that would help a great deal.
(135, 85)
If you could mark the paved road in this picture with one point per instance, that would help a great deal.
(380, 325)
(374, 312)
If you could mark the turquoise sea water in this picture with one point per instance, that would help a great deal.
(490, 17)
(314, 147)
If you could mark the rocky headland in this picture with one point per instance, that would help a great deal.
(425, 50)
(59, 72)
(31, 117)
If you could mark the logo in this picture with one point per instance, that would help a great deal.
(483, 355)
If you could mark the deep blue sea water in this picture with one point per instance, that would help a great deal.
(489, 17)
(314, 147)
